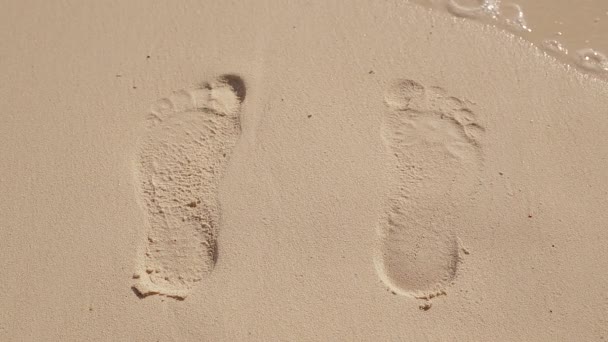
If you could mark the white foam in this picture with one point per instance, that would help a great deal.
(511, 17)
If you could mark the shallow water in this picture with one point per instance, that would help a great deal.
(582, 45)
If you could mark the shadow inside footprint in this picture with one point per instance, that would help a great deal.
(179, 164)
(434, 162)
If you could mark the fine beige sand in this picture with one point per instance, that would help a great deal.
(298, 171)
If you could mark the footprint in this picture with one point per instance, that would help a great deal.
(179, 164)
(433, 146)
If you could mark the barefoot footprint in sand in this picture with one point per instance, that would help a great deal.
(179, 164)
(434, 155)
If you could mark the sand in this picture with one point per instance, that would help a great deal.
(307, 171)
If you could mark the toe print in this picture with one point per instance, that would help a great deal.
(180, 162)
(434, 155)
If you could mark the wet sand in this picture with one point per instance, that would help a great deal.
(311, 171)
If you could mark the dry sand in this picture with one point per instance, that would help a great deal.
(313, 171)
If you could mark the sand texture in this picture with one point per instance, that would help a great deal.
(181, 160)
(297, 171)
(435, 164)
